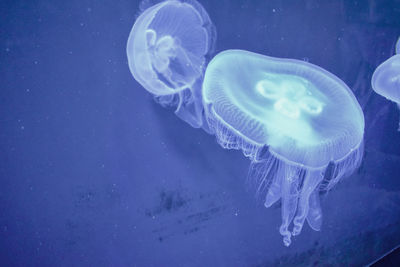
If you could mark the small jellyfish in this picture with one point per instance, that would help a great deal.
(386, 78)
(300, 125)
(167, 50)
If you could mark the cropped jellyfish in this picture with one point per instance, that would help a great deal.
(386, 78)
(300, 125)
(167, 51)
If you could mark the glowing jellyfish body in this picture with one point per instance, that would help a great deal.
(386, 78)
(300, 125)
(167, 50)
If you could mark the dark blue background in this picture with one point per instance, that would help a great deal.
(94, 172)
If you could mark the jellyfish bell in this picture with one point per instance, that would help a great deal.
(386, 79)
(167, 51)
(293, 120)
(398, 46)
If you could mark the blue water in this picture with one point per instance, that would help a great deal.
(95, 173)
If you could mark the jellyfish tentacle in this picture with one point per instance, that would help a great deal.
(311, 181)
(188, 101)
(274, 192)
(289, 203)
(314, 216)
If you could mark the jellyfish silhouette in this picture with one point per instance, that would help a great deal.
(167, 51)
(300, 125)
(386, 78)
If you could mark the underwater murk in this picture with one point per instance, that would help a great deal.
(253, 133)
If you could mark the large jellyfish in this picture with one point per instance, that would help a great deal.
(167, 51)
(300, 125)
(386, 78)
